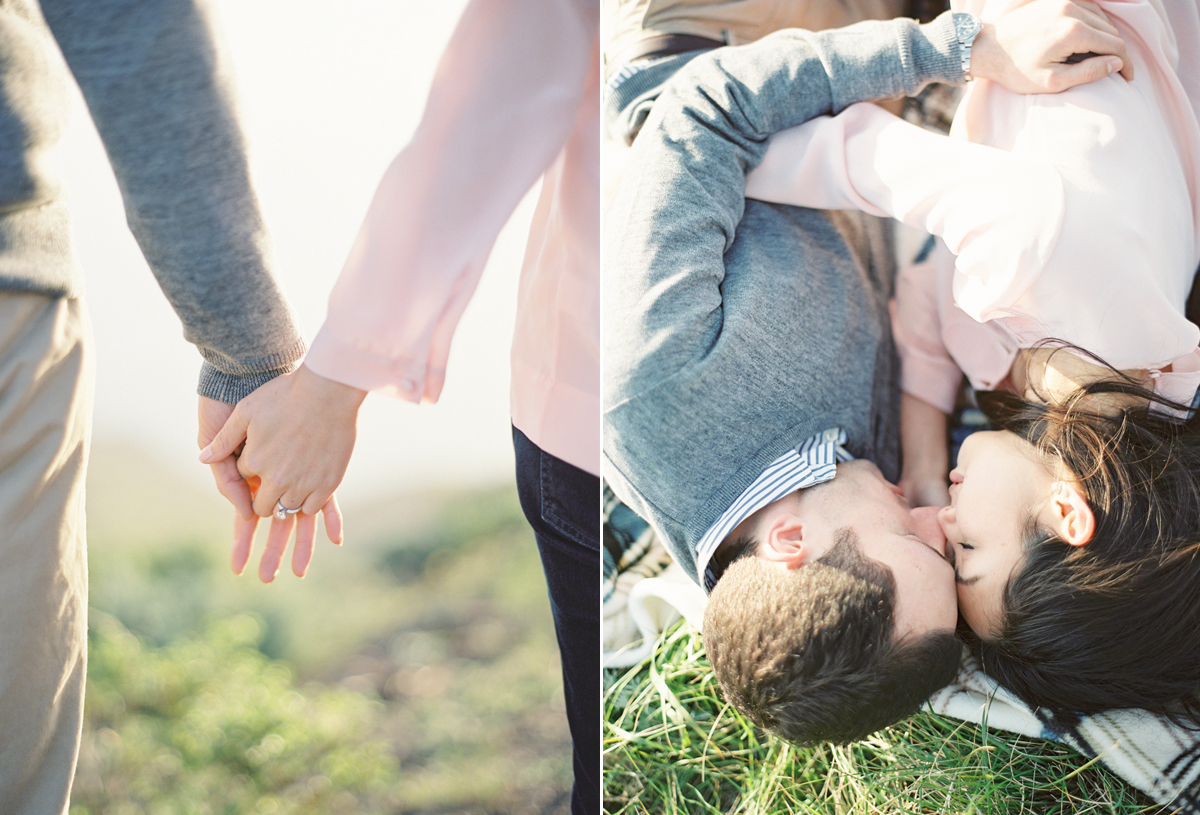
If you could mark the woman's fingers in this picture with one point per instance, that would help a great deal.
(279, 533)
(272, 493)
(293, 500)
(302, 549)
(299, 430)
(243, 541)
(277, 541)
(333, 520)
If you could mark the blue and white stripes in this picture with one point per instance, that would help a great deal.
(812, 462)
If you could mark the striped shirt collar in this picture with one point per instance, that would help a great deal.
(812, 462)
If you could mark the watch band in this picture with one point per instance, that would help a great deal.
(966, 29)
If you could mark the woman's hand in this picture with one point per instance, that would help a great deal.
(1027, 48)
(925, 490)
(925, 451)
(298, 432)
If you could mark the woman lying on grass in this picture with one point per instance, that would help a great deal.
(1070, 227)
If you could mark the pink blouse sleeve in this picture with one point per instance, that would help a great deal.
(1072, 216)
(976, 198)
(927, 370)
(505, 97)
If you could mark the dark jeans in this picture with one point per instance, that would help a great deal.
(562, 504)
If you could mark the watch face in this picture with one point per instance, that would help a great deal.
(966, 26)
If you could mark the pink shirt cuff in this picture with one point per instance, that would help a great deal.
(344, 362)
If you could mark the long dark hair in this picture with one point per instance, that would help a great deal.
(1114, 623)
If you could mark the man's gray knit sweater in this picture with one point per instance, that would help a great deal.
(160, 96)
(734, 330)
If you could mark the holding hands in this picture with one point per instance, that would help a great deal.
(295, 435)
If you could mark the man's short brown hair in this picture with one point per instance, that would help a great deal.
(810, 654)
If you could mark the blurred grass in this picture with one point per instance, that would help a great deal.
(425, 643)
(671, 745)
(210, 724)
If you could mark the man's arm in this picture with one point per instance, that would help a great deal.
(711, 124)
(676, 212)
(157, 86)
(670, 347)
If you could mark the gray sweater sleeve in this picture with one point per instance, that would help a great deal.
(677, 210)
(157, 87)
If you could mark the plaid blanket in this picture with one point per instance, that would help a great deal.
(644, 592)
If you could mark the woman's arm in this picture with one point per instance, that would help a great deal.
(978, 199)
(506, 96)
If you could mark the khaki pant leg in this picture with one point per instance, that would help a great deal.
(46, 373)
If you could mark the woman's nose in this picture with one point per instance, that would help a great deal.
(945, 518)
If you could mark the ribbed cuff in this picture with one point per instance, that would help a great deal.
(938, 52)
(231, 388)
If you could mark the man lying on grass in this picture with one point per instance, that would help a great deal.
(751, 379)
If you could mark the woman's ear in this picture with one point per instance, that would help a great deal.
(1072, 520)
(783, 541)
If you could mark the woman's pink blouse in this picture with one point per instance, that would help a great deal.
(515, 97)
(1072, 216)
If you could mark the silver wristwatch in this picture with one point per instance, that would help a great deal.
(966, 29)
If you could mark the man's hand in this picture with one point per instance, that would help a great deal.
(1027, 49)
(213, 415)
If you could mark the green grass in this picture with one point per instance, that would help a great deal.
(414, 670)
(210, 725)
(671, 745)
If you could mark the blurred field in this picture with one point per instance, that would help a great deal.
(413, 670)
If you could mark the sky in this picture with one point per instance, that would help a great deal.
(329, 92)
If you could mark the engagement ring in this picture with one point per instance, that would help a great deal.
(282, 512)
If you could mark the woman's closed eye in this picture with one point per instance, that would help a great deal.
(965, 545)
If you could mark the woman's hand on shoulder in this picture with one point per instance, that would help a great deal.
(1048, 46)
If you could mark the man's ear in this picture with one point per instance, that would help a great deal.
(1072, 519)
(783, 541)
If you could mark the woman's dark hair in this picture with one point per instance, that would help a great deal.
(1114, 623)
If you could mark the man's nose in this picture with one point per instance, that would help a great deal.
(929, 527)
